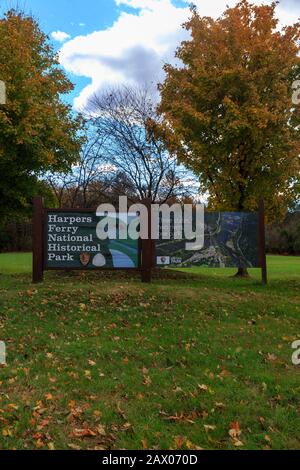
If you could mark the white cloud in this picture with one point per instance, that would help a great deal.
(134, 49)
(60, 36)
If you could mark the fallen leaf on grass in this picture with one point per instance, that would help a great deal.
(203, 387)
(31, 291)
(85, 432)
(238, 443)
(235, 433)
(180, 417)
(220, 405)
(225, 373)
(209, 427)
(74, 447)
(235, 430)
(101, 430)
(39, 444)
(12, 407)
(43, 424)
(144, 444)
(271, 357)
(147, 380)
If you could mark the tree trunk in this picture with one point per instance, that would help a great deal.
(242, 272)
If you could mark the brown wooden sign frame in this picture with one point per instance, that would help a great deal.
(146, 247)
(262, 242)
(39, 244)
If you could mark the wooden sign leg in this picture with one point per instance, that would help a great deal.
(146, 246)
(38, 241)
(262, 243)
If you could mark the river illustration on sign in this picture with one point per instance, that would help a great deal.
(72, 242)
(231, 239)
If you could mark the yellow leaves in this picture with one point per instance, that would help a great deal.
(7, 433)
(227, 69)
(12, 407)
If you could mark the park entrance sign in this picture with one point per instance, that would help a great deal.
(72, 242)
(145, 237)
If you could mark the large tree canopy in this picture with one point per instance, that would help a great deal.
(228, 107)
(37, 129)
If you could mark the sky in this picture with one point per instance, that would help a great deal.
(102, 43)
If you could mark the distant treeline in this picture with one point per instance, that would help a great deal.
(282, 238)
(16, 237)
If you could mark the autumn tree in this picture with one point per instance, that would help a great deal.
(228, 107)
(38, 131)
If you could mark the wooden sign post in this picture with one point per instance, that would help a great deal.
(38, 240)
(147, 247)
(262, 242)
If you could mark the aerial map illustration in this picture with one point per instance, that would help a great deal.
(231, 240)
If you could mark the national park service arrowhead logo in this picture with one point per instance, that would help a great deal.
(85, 258)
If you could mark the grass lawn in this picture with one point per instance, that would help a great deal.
(101, 361)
